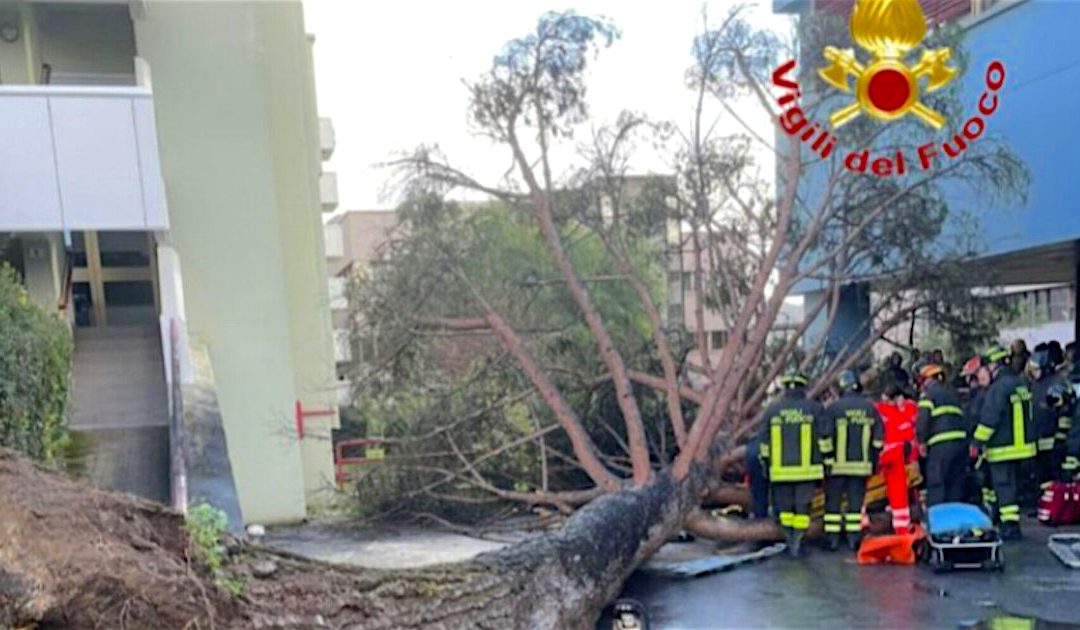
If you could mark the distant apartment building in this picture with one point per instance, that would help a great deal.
(355, 240)
(161, 177)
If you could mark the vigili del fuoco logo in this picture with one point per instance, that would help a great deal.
(886, 88)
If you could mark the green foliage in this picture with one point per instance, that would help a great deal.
(35, 363)
(429, 391)
(234, 585)
(205, 525)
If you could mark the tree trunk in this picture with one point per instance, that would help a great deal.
(558, 580)
(76, 557)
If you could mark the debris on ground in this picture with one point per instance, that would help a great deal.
(694, 565)
(1066, 547)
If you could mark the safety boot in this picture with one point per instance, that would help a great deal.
(795, 550)
(789, 540)
(832, 542)
(1010, 530)
(854, 539)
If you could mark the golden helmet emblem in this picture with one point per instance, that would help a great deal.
(887, 88)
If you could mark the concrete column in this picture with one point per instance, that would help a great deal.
(43, 268)
(852, 325)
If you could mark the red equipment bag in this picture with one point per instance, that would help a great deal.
(1059, 504)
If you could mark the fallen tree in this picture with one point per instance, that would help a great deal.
(76, 557)
(752, 246)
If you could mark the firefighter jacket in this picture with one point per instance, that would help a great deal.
(941, 418)
(854, 436)
(790, 438)
(973, 408)
(1006, 426)
(1049, 423)
(1071, 464)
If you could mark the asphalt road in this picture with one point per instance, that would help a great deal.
(829, 590)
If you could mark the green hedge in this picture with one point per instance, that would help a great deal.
(35, 363)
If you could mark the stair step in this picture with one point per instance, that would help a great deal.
(129, 419)
(95, 347)
(117, 332)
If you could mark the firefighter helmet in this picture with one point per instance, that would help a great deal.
(972, 366)
(1060, 395)
(931, 370)
(794, 378)
(1041, 361)
(848, 381)
(996, 354)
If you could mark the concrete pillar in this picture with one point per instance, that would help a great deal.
(851, 326)
(43, 267)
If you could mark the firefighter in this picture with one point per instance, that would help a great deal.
(791, 445)
(1048, 460)
(942, 430)
(855, 438)
(1061, 397)
(1005, 436)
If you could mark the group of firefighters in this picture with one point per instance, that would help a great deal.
(998, 431)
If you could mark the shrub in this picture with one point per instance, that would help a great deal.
(205, 525)
(35, 365)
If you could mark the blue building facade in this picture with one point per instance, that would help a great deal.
(1035, 244)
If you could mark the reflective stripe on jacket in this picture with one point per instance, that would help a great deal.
(1006, 426)
(856, 436)
(941, 418)
(790, 438)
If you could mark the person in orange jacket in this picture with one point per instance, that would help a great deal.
(898, 414)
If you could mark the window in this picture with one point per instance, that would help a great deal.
(717, 339)
(675, 315)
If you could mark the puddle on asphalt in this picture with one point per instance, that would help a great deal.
(1006, 621)
(930, 590)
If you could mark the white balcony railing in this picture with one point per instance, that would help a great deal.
(327, 139)
(328, 191)
(334, 239)
(342, 346)
(79, 158)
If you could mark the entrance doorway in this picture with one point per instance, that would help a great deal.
(114, 279)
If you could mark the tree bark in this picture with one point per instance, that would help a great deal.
(559, 580)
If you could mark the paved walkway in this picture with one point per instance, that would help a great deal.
(831, 591)
(399, 548)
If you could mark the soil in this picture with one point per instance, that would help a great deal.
(72, 556)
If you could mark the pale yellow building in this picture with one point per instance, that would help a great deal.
(162, 178)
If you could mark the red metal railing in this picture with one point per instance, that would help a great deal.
(300, 413)
(373, 453)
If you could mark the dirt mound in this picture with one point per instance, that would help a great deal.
(72, 556)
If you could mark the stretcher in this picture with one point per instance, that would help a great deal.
(875, 490)
(961, 536)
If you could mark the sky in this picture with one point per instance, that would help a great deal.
(390, 74)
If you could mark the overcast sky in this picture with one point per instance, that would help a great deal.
(389, 73)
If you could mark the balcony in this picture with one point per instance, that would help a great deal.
(79, 158)
(338, 291)
(342, 346)
(327, 141)
(334, 239)
(328, 191)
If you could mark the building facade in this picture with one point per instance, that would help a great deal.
(1032, 249)
(163, 182)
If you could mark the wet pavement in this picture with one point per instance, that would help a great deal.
(829, 590)
(343, 542)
